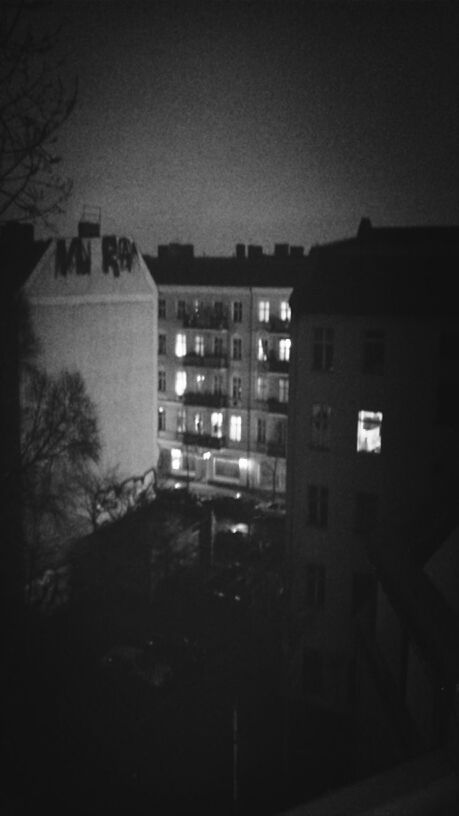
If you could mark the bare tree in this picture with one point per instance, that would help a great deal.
(34, 104)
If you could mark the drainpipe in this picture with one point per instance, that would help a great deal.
(249, 397)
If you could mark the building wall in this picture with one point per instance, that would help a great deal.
(404, 486)
(256, 460)
(105, 326)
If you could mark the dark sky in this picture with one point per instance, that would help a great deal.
(218, 122)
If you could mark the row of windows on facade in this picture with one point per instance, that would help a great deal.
(318, 503)
(265, 310)
(218, 349)
(215, 384)
(217, 425)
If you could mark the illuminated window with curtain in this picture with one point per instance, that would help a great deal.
(216, 422)
(199, 345)
(180, 345)
(180, 383)
(369, 428)
(263, 311)
(235, 431)
(284, 311)
(284, 348)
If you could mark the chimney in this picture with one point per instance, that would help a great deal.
(281, 250)
(89, 224)
(254, 252)
(240, 252)
(296, 251)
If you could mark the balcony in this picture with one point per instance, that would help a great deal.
(279, 326)
(206, 319)
(276, 449)
(205, 360)
(203, 440)
(277, 366)
(277, 407)
(205, 398)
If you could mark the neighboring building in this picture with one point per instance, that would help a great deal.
(94, 309)
(373, 440)
(224, 349)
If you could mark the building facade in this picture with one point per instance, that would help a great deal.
(93, 307)
(373, 417)
(223, 365)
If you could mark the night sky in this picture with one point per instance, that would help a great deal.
(214, 123)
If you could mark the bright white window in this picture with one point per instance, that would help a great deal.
(283, 389)
(284, 310)
(263, 311)
(369, 431)
(235, 431)
(199, 345)
(180, 383)
(180, 345)
(216, 421)
(262, 352)
(176, 459)
(284, 348)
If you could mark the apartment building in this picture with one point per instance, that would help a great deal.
(223, 364)
(373, 443)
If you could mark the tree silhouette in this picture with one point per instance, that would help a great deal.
(34, 104)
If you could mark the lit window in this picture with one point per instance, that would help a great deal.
(284, 348)
(199, 345)
(162, 344)
(262, 388)
(216, 421)
(283, 389)
(315, 585)
(161, 419)
(237, 389)
(181, 309)
(263, 311)
(284, 311)
(197, 422)
(373, 352)
(180, 345)
(237, 348)
(180, 383)
(181, 421)
(320, 426)
(369, 431)
(176, 459)
(161, 307)
(200, 380)
(317, 506)
(262, 352)
(237, 311)
(161, 380)
(235, 431)
(322, 349)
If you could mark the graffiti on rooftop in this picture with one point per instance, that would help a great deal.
(74, 256)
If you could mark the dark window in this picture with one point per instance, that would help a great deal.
(322, 349)
(237, 348)
(364, 591)
(320, 426)
(374, 346)
(161, 380)
(181, 309)
(261, 430)
(237, 312)
(317, 506)
(218, 346)
(161, 419)
(315, 585)
(161, 307)
(237, 389)
(366, 512)
(162, 344)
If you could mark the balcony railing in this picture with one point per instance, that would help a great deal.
(205, 398)
(276, 449)
(206, 319)
(276, 324)
(277, 407)
(205, 360)
(203, 440)
(276, 365)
